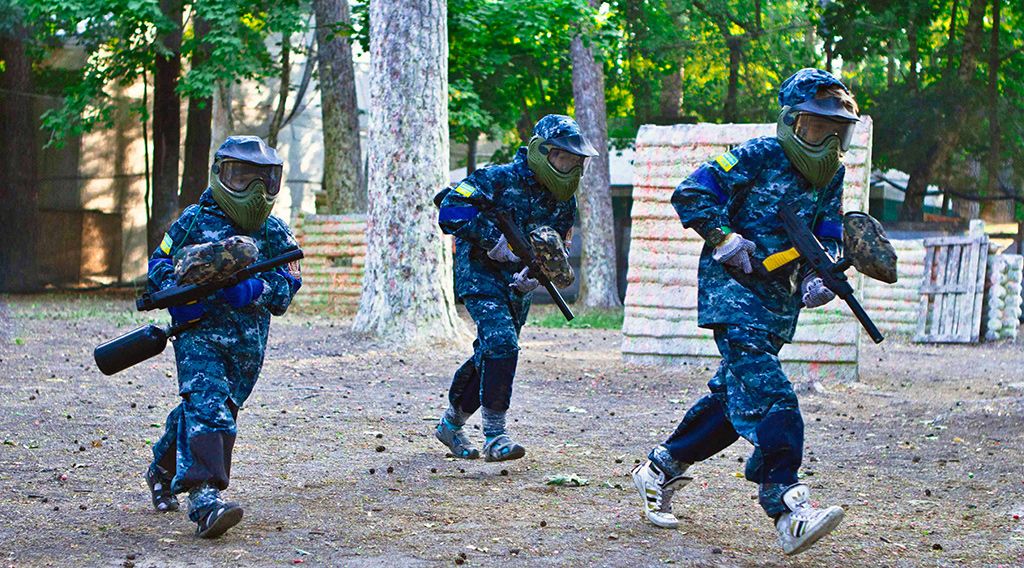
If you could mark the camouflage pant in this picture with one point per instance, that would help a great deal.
(200, 432)
(750, 397)
(486, 377)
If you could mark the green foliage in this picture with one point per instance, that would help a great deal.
(121, 40)
(590, 319)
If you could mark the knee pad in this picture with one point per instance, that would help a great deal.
(780, 439)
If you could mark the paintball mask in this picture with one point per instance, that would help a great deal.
(245, 179)
(557, 155)
(815, 134)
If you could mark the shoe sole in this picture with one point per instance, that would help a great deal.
(830, 525)
(515, 454)
(473, 454)
(643, 500)
(228, 519)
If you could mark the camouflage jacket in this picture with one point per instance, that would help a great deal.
(510, 187)
(206, 222)
(742, 189)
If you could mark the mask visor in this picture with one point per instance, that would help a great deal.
(563, 161)
(574, 144)
(236, 176)
(815, 130)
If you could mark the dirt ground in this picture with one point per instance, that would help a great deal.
(336, 464)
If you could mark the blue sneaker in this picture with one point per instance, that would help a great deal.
(456, 440)
(502, 448)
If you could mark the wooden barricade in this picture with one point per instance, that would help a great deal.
(952, 289)
(332, 271)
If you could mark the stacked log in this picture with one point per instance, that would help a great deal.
(894, 307)
(332, 271)
(1002, 309)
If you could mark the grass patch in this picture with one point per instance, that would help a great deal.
(68, 306)
(549, 316)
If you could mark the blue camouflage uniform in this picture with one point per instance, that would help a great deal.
(220, 359)
(753, 315)
(483, 284)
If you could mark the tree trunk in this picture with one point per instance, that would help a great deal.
(735, 45)
(941, 149)
(282, 91)
(343, 172)
(166, 128)
(407, 294)
(915, 55)
(471, 150)
(994, 134)
(19, 142)
(671, 98)
(195, 176)
(598, 275)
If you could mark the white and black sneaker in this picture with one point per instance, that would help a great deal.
(656, 492)
(221, 518)
(803, 525)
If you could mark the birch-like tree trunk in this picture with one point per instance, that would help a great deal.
(407, 294)
(343, 172)
(598, 275)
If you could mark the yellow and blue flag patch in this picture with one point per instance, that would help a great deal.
(166, 244)
(464, 189)
(727, 161)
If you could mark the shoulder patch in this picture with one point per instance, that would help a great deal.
(727, 161)
(465, 189)
(166, 244)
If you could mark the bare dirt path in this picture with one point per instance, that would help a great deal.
(336, 465)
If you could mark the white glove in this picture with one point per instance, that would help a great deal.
(502, 252)
(815, 292)
(735, 251)
(522, 282)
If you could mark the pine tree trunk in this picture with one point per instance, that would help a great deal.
(941, 149)
(195, 176)
(671, 99)
(598, 276)
(343, 172)
(994, 160)
(471, 151)
(166, 129)
(19, 194)
(407, 292)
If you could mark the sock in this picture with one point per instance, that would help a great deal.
(455, 417)
(666, 463)
(493, 422)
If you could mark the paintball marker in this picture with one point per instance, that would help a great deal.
(519, 245)
(806, 245)
(150, 340)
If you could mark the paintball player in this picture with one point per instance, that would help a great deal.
(220, 358)
(536, 189)
(750, 298)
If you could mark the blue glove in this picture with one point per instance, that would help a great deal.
(242, 294)
(188, 312)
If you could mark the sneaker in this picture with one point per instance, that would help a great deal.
(803, 525)
(657, 492)
(221, 518)
(456, 440)
(502, 448)
(160, 490)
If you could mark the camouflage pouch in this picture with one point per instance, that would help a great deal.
(552, 255)
(207, 262)
(868, 248)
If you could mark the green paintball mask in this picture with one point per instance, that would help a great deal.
(815, 135)
(245, 191)
(557, 169)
